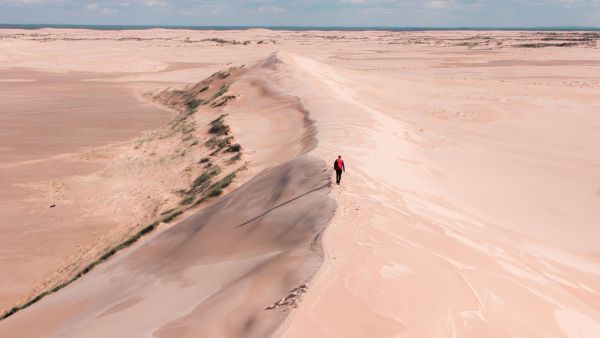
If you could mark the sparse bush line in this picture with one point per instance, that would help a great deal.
(87, 269)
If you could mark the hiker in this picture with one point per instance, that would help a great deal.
(338, 166)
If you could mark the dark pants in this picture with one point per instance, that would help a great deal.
(338, 176)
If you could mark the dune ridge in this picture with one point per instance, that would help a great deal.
(205, 162)
(411, 257)
(274, 221)
(248, 251)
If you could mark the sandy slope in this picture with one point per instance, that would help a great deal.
(46, 123)
(458, 217)
(470, 205)
(278, 260)
(185, 281)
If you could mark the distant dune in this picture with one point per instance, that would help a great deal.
(469, 207)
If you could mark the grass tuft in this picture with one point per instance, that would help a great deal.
(234, 158)
(219, 127)
(193, 104)
(217, 188)
(187, 200)
(171, 215)
(215, 192)
(218, 143)
(202, 181)
(222, 101)
(220, 92)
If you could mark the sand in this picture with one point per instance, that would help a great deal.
(470, 205)
(46, 119)
(185, 281)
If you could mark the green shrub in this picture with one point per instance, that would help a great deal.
(171, 215)
(218, 143)
(234, 148)
(215, 192)
(235, 158)
(202, 181)
(200, 201)
(223, 101)
(192, 104)
(219, 127)
(222, 90)
(187, 200)
(224, 182)
(220, 74)
(217, 188)
(218, 119)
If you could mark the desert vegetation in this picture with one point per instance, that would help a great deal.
(542, 39)
(201, 151)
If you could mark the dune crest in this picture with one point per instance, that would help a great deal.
(424, 242)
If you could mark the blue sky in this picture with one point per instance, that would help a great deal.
(436, 13)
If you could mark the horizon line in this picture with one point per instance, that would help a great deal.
(294, 27)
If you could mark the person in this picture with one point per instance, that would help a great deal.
(339, 166)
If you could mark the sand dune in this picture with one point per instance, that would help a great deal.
(469, 209)
(185, 281)
(442, 230)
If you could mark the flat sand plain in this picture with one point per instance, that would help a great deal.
(470, 206)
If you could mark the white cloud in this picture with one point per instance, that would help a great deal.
(95, 7)
(277, 9)
(32, 2)
(438, 4)
(156, 3)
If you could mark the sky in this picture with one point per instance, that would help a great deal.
(396, 13)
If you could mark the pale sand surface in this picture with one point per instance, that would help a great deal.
(211, 275)
(472, 198)
(44, 122)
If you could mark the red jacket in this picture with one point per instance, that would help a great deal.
(339, 164)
